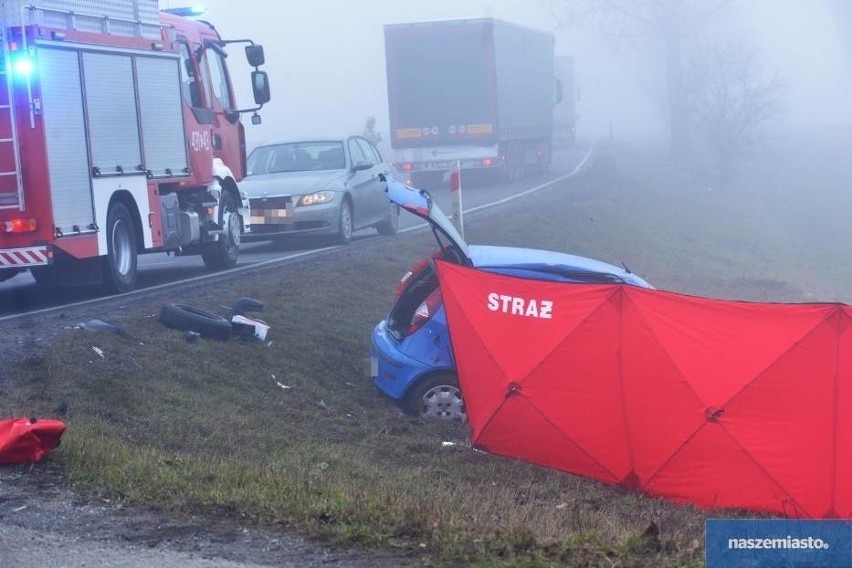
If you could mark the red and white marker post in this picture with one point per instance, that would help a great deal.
(456, 196)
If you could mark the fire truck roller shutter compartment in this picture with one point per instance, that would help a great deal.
(65, 136)
(113, 123)
(114, 138)
(163, 137)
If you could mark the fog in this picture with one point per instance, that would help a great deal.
(327, 67)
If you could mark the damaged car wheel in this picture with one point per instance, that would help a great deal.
(436, 396)
(187, 318)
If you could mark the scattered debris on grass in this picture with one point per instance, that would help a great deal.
(102, 325)
(283, 386)
(202, 323)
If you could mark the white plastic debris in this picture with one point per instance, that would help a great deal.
(98, 351)
(280, 384)
(100, 325)
(259, 327)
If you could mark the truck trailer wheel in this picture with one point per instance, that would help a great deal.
(544, 155)
(224, 252)
(513, 162)
(118, 267)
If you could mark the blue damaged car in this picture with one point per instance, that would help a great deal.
(412, 359)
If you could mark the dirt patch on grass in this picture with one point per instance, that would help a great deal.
(47, 523)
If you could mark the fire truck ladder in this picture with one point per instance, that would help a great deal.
(11, 194)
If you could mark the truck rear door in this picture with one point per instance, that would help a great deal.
(441, 83)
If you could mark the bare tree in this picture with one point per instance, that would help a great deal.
(843, 20)
(667, 25)
(731, 101)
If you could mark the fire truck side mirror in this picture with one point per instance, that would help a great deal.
(254, 55)
(260, 86)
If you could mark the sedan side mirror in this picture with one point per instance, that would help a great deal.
(361, 166)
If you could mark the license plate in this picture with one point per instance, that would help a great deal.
(269, 216)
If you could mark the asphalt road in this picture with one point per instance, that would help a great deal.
(20, 294)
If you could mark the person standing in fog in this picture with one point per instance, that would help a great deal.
(370, 132)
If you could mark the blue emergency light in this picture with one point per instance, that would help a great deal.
(22, 66)
(187, 12)
(19, 65)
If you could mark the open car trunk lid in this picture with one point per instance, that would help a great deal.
(419, 202)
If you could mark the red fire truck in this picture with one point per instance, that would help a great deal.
(119, 135)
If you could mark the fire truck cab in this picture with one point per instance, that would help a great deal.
(119, 135)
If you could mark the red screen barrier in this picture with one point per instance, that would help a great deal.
(718, 403)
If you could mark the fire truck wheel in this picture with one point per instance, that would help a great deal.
(119, 265)
(224, 252)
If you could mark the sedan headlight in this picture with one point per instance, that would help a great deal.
(316, 198)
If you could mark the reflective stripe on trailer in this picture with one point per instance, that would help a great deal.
(24, 257)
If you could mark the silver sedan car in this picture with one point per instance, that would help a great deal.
(324, 186)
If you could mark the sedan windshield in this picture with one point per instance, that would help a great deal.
(297, 157)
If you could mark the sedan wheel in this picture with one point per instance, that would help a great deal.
(391, 223)
(344, 235)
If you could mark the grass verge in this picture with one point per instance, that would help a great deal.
(290, 432)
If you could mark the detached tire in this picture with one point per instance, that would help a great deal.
(436, 396)
(187, 318)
